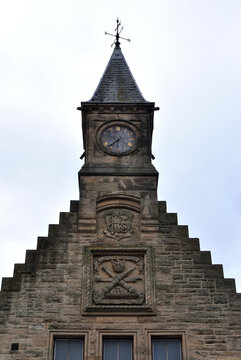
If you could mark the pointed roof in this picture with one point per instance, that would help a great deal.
(117, 83)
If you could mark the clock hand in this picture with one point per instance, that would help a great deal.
(114, 141)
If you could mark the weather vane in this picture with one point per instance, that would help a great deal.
(117, 35)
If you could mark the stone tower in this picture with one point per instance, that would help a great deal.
(118, 278)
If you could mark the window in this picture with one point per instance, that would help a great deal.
(117, 349)
(166, 349)
(68, 349)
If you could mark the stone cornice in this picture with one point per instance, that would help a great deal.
(110, 108)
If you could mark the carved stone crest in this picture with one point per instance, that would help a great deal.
(118, 280)
(118, 224)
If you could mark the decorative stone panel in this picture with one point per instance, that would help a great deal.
(118, 280)
(118, 217)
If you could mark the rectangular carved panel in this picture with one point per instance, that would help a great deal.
(118, 279)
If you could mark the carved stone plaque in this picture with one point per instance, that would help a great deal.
(118, 224)
(118, 279)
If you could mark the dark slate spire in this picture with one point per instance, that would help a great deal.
(117, 83)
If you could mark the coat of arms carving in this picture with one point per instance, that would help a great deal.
(118, 224)
(118, 280)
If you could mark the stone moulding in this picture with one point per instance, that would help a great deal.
(118, 280)
(118, 201)
(107, 108)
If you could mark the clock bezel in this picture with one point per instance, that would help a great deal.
(111, 123)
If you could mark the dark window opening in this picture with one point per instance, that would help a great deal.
(68, 349)
(166, 349)
(117, 349)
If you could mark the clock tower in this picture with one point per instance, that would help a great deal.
(117, 124)
(117, 127)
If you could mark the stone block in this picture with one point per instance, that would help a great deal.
(43, 242)
(19, 269)
(214, 271)
(162, 206)
(189, 244)
(74, 205)
(11, 284)
(31, 256)
(227, 285)
(68, 218)
(167, 219)
(202, 257)
(179, 230)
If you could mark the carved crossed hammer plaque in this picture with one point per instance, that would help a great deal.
(118, 279)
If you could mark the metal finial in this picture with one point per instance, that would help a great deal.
(117, 35)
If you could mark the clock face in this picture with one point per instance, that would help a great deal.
(118, 139)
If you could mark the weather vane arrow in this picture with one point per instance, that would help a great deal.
(117, 35)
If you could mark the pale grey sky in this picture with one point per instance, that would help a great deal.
(184, 54)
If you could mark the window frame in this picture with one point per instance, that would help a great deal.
(181, 335)
(68, 335)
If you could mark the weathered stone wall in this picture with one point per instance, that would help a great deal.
(189, 296)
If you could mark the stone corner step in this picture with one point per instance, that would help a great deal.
(74, 205)
(11, 283)
(162, 206)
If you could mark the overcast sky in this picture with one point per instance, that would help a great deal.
(184, 54)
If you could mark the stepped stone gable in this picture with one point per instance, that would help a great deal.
(118, 264)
